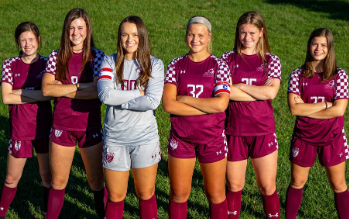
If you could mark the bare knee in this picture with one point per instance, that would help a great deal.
(12, 181)
(59, 183)
(46, 178)
(235, 186)
(339, 186)
(298, 183)
(267, 189)
(116, 196)
(179, 195)
(96, 183)
(145, 195)
(216, 196)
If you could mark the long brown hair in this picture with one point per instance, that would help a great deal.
(143, 53)
(65, 48)
(24, 27)
(255, 18)
(329, 63)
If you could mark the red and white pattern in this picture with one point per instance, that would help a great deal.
(7, 74)
(106, 73)
(342, 85)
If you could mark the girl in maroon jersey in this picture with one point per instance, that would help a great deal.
(318, 96)
(70, 78)
(196, 93)
(30, 113)
(256, 77)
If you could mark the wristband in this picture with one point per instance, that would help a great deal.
(77, 88)
(326, 105)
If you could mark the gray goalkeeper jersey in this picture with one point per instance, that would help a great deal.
(130, 117)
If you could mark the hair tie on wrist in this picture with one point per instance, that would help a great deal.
(326, 104)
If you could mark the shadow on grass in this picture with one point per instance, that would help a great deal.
(337, 9)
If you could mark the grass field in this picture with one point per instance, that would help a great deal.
(289, 26)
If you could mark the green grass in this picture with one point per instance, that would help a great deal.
(289, 26)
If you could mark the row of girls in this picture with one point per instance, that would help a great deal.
(197, 91)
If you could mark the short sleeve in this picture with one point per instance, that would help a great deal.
(293, 83)
(222, 82)
(274, 67)
(97, 61)
(7, 74)
(341, 85)
(171, 72)
(51, 64)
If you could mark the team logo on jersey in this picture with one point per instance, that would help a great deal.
(106, 73)
(95, 135)
(260, 68)
(17, 145)
(58, 133)
(209, 73)
(109, 157)
(295, 151)
(17, 74)
(305, 84)
(182, 72)
(39, 76)
(173, 144)
(236, 66)
(330, 84)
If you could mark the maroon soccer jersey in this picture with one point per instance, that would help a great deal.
(197, 79)
(253, 118)
(31, 120)
(74, 114)
(318, 132)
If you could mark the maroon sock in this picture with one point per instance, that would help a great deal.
(271, 205)
(219, 211)
(293, 202)
(178, 210)
(45, 192)
(7, 196)
(55, 203)
(98, 197)
(148, 208)
(106, 197)
(234, 204)
(114, 210)
(342, 204)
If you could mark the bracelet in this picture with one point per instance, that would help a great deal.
(326, 105)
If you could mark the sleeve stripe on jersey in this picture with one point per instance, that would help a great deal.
(106, 69)
(221, 87)
(106, 75)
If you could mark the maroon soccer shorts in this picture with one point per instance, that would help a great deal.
(210, 152)
(240, 148)
(304, 154)
(70, 138)
(24, 149)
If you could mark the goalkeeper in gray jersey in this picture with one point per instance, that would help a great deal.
(131, 83)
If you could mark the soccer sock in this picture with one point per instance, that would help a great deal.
(342, 204)
(293, 202)
(178, 210)
(234, 204)
(98, 197)
(114, 210)
(6, 198)
(219, 211)
(55, 203)
(271, 205)
(148, 208)
(45, 192)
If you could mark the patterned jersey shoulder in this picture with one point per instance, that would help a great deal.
(98, 56)
(51, 64)
(341, 85)
(293, 82)
(226, 57)
(7, 70)
(171, 70)
(223, 71)
(274, 66)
